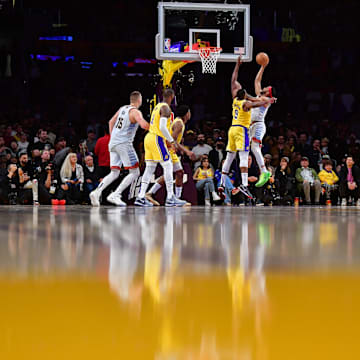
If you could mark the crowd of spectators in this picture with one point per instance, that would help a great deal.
(45, 167)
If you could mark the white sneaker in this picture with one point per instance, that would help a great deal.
(174, 201)
(207, 203)
(95, 198)
(215, 196)
(358, 203)
(115, 199)
(343, 202)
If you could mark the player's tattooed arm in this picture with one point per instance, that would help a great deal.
(235, 85)
(165, 113)
(258, 79)
(112, 122)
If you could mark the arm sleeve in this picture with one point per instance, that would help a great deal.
(164, 129)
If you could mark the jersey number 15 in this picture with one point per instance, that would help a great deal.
(119, 123)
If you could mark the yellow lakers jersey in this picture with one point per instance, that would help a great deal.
(205, 173)
(155, 120)
(240, 117)
(180, 136)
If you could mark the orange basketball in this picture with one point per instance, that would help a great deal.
(262, 58)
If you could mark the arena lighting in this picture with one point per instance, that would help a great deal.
(56, 38)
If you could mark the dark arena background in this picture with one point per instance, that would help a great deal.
(99, 260)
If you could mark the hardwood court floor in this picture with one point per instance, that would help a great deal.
(179, 283)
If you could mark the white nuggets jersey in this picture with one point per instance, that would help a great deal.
(124, 131)
(258, 114)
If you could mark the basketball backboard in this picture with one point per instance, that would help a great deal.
(183, 26)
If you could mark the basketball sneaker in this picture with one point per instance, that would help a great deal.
(343, 202)
(264, 178)
(149, 197)
(174, 201)
(215, 196)
(246, 192)
(95, 198)
(115, 199)
(221, 192)
(142, 202)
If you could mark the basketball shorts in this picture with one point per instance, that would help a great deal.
(176, 161)
(257, 131)
(155, 148)
(124, 155)
(238, 138)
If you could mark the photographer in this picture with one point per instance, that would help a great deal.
(47, 181)
(9, 185)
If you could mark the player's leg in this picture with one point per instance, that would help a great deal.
(159, 182)
(257, 132)
(152, 157)
(130, 161)
(242, 145)
(230, 157)
(179, 175)
(115, 166)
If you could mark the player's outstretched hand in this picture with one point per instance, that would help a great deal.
(239, 60)
(191, 156)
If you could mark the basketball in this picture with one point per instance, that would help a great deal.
(262, 58)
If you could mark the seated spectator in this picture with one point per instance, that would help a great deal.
(103, 155)
(23, 144)
(303, 147)
(210, 141)
(91, 141)
(90, 175)
(217, 155)
(315, 155)
(328, 180)
(200, 149)
(72, 180)
(14, 148)
(204, 177)
(60, 144)
(285, 183)
(307, 180)
(2, 146)
(8, 136)
(190, 139)
(9, 185)
(27, 182)
(43, 142)
(349, 182)
(279, 150)
(291, 144)
(324, 146)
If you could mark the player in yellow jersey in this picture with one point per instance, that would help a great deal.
(177, 131)
(238, 136)
(156, 151)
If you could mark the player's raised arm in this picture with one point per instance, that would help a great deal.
(258, 79)
(235, 85)
(165, 113)
(136, 116)
(112, 121)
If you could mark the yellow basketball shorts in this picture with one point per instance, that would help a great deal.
(155, 148)
(238, 138)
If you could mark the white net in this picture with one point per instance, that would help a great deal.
(209, 56)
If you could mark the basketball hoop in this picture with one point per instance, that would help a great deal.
(209, 56)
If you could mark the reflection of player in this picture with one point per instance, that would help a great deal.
(258, 128)
(156, 151)
(177, 132)
(123, 127)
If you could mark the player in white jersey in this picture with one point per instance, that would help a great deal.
(258, 128)
(123, 127)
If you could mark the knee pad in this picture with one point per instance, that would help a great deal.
(243, 155)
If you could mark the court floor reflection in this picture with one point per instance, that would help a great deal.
(183, 283)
